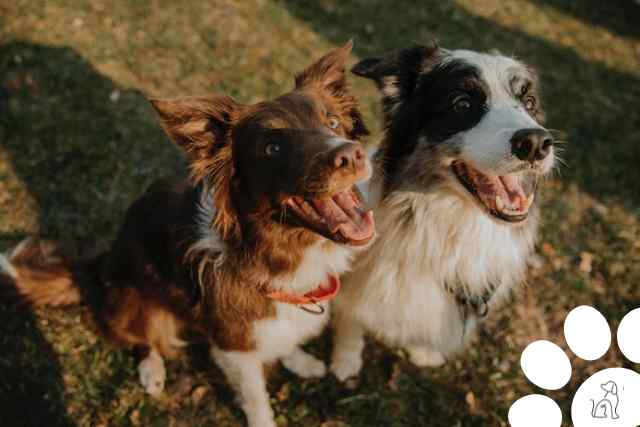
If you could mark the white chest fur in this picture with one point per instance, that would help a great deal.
(291, 326)
(320, 260)
(278, 336)
(429, 241)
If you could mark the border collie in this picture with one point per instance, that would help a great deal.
(248, 253)
(454, 199)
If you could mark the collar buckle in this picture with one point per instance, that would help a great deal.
(317, 308)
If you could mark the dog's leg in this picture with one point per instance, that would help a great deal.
(424, 357)
(348, 343)
(244, 371)
(303, 364)
(152, 373)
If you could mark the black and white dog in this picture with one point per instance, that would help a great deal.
(453, 199)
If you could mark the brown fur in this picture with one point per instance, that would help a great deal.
(329, 76)
(190, 122)
(43, 274)
(155, 280)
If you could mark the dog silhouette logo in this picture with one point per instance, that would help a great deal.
(607, 407)
(608, 398)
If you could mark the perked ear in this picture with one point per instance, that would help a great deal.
(202, 127)
(396, 73)
(197, 124)
(368, 68)
(328, 72)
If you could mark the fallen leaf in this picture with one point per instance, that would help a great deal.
(393, 379)
(586, 262)
(134, 417)
(197, 394)
(470, 398)
(547, 249)
(284, 392)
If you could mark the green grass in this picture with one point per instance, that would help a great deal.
(78, 142)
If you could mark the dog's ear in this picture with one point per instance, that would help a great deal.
(202, 127)
(328, 72)
(397, 72)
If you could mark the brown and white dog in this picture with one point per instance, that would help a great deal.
(463, 151)
(248, 253)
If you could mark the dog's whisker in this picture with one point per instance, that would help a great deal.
(557, 133)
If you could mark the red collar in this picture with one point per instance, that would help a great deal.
(324, 292)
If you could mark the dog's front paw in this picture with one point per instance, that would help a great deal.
(347, 366)
(260, 418)
(424, 357)
(152, 374)
(266, 422)
(304, 365)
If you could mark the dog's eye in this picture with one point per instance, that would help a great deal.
(461, 103)
(334, 123)
(272, 149)
(530, 103)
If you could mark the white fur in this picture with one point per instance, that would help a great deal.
(303, 364)
(244, 371)
(371, 189)
(396, 289)
(320, 260)
(152, 373)
(487, 146)
(208, 239)
(278, 337)
(425, 357)
(337, 141)
(7, 267)
(390, 87)
(432, 235)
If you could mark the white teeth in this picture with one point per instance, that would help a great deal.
(499, 203)
(530, 200)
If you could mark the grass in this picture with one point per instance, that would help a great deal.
(78, 142)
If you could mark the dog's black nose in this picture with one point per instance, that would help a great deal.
(531, 144)
(350, 155)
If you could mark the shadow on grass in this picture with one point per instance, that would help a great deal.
(599, 108)
(82, 148)
(31, 388)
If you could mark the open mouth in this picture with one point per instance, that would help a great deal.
(339, 217)
(507, 197)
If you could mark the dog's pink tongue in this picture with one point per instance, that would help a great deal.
(514, 191)
(331, 213)
(505, 187)
(361, 224)
(341, 213)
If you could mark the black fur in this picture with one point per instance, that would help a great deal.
(426, 84)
